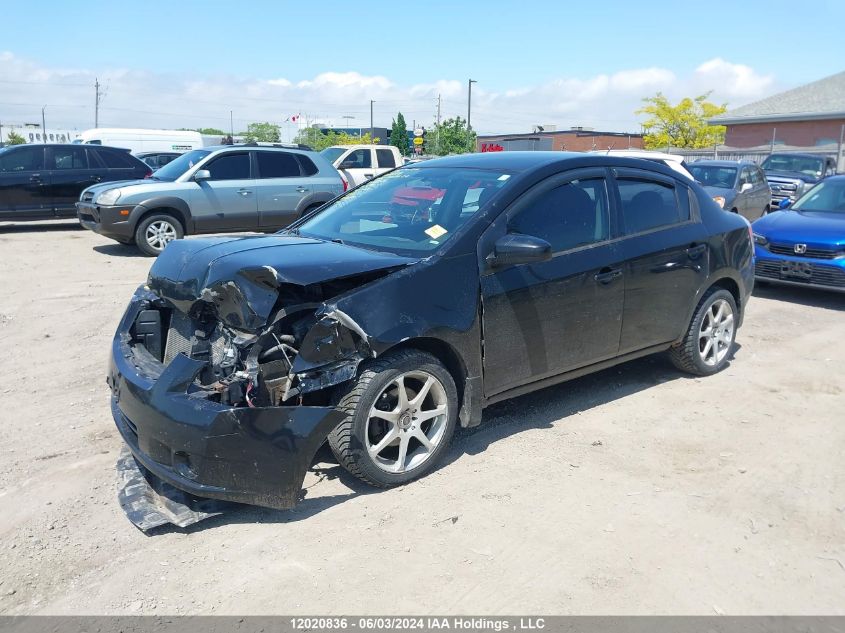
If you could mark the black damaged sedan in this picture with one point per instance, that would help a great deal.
(406, 306)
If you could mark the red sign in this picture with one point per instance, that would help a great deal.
(492, 147)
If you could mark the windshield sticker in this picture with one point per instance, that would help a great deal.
(436, 231)
(504, 177)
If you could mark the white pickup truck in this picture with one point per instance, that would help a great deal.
(360, 163)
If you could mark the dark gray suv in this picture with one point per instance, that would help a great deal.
(211, 190)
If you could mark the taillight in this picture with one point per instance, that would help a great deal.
(345, 184)
(149, 174)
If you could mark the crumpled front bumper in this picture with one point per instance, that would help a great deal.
(256, 455)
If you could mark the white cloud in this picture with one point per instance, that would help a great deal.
(733, 82)
(139, 98)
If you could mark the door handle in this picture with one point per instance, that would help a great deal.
(97, 178)
(694, 252)
(607, 275)
(244, 192)
(302, 190)
(368, 175)
(35, 178)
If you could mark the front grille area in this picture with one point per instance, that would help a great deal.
(180, 339)
(814, 253)
(820, 275)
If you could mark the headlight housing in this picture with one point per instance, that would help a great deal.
(108, 197)
(760, 239)
(720, 200)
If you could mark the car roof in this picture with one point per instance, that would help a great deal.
(723, 163)
(263, 148)
(799, 154)
(640, 153)
(523, 161)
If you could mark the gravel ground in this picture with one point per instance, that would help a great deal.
(636, 490)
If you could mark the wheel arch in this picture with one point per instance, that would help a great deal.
(176, 207)
(452, 361)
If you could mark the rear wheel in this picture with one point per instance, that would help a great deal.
(400, 416)
(706, 347)
(156, 231)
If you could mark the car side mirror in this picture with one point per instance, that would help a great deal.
(348, 164)
(784, 204)
(202, 174)
(515, 248)
(746, 186)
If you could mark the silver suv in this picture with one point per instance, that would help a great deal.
(211, 190)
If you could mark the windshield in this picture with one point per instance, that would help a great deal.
(178, 166)
(331, 154)
(410, 210)
(713, 176)
(828, 195)
(803, 164)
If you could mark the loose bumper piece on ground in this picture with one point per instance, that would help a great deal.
(150, 502)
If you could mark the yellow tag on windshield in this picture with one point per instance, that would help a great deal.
(435, 231)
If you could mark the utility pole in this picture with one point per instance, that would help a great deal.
(97, 102)
(469, 103)
(372, 129)
(774, 134)
(43, 125)
(839, 162)
(437, 135)
(231, 127)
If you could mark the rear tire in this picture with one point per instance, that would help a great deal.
(707, 345)
(156, 231)
(391, 434)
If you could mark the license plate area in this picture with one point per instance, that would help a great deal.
(796, 270)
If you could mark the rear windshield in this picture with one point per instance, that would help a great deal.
(713, 176)
(178, 166)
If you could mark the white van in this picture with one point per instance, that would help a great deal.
(139, 140)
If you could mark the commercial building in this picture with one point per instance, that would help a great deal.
(546, 138)
(810, 116)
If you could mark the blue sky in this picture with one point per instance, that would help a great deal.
(173, 63)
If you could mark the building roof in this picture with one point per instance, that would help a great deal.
(544, 134)
(822, 99)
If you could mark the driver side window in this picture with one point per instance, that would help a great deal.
(568, 216)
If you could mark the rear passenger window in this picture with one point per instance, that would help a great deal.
(571, 215)
(229, 167)
(277, 165)
(385, 158)
(647, 205)
(116, 160)
(308, 166)
(22, 159)
(69, 158)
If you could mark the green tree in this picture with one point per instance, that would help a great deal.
(450, 137)
(683, 125)
(262, 132)
(319, 139)
(399, 134)
(13, 138)
(211, 131)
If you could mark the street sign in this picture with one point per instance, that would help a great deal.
(418, 140)
(419, 131)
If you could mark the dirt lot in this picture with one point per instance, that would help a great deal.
(636, 490)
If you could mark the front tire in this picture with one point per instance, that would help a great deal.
(156, 231)
(708, 342)
(400, 416)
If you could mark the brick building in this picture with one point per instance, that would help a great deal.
(809, 116)
(573, 140)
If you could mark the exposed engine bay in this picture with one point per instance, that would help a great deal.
(304, 347)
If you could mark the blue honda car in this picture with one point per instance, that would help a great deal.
(804, 244)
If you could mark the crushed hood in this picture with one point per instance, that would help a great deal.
(240, 276)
